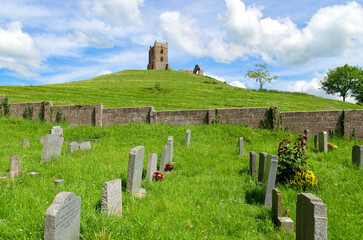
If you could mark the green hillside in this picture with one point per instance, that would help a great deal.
(165, 90)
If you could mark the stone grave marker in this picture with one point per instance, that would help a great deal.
(14, 167)
(311, 218)
(171, 143)
(187, 138)
(73, 146)
(152, 161)
(164, 157)
(112, 197)
(62, 218)
(134, 175)
(240, 145)
(52, 147)
(316, 142)
(26, 143)
(269, 178)
(34, 174)
(285, 223)
(57, 130)
(307, 134)
(323, 141)
(261, 165)
(58, 182)
(41, 139)
(253, 163)
(85, 146)
(357, 155)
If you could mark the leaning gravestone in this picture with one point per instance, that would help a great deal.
(14, 167)
(134, 175)
(26, 143)
(164, 157)
(187, 138)
(269, 178)
(85, 145)
(171, 143)
(323, 141)
(357, 155)
(311, 219)
(112, 197)
(72, 147)
(52, 147)
(253, 163)
(152, 161)
(240, 145)
(261, 165)
(62, 218)
(57, 130)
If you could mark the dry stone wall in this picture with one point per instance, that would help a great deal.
(112, 116)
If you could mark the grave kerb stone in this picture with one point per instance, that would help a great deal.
(134, 175)
(253, 163)
(261, 165)
(323, 141)
(269, 179)
(357, 155)
(112, 197)
(187, 138)
(240, 145)
(152, 162)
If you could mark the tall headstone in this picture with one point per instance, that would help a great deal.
(307, 134)
(72, 147)
(112, 197)
(41, 139)
(240, 145)
(357, 155)
(52, 147)
(187, 138)
(152, 161)
(253, 163)
(57, 130)
(164, 157)
(311, 218)
(134, 175)
(14, 167)
(85, 146)
(26, 142)
(323, 141)
(62, 218)
(316, 142)
(261, 165)
(171, 143)
(269, 178)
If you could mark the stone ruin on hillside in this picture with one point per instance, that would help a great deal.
(197, 70)
(158, 56)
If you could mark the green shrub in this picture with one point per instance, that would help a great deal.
(303, 180)
(59, 116)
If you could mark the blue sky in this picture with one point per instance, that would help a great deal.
(43, 42)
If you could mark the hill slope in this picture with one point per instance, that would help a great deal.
(165, 90)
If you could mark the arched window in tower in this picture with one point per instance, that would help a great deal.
(161, 59)
(161, 51)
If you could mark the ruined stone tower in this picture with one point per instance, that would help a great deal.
(158, 56)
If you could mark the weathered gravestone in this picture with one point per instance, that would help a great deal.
(357, 155)
(41, 139)
(52, 147)
(164, 157)
(152, 161)
(171, 143)
(72, 147)
(187, 138)
(14, 167)
(323, 141)
(112, 197)
(285, 223)
(261, 165)
(240, 145)
(253, 163)
(316, 142)
(311, 219)
(269, 177)
(59, 182)
(57, 130)
(62, 218)
(26, 143)
(307, 134)
(33, 174)
(134, 175)
(85, 145)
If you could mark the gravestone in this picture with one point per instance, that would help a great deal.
(357, 155)
(261, 165)
(62, 218)
(14, 167)
(134, 175)
(187, 138)
(253, 164)
(311, 218)
(26, 142)
(58, 182)
(57, 130)
(41, 139)
(171, 143)
(307, 134)
(34, 174)
(164, 157)
(152, 161)
(240, 145)
(285, 223)
(112, 197)
(52, 147)
(323, 141)
(269, 177)
(85, 146)
(316, 142)
(73, 146)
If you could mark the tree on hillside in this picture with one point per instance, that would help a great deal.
(358, 88)
(342, 80)
(261, 74)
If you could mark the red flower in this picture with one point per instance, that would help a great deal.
(168, 167)
(158, 176)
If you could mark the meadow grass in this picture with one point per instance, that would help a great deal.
(166, 90)
(210, 195)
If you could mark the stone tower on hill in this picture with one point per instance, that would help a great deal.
(158, 56)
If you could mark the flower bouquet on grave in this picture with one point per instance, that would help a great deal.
(332, 146)
(168, 167)
(158, 176)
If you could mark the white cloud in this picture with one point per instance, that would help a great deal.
(90, 40)
(237, 84)
(216, 77)
(104, 72)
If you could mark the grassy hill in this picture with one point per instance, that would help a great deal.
(165, 90)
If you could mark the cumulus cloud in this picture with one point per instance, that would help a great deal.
(216, 77)
(17, 50)
(90, 40)
(237, 84)
(104, 72)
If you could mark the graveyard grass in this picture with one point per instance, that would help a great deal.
(166, 90)
(210, 196)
